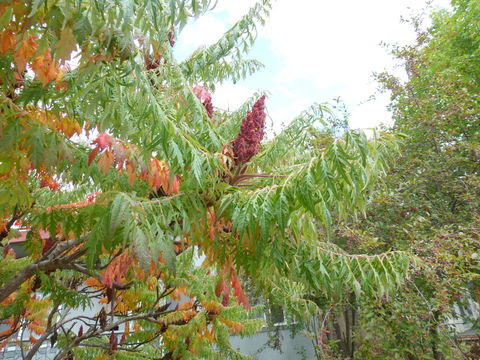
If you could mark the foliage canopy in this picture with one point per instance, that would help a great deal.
(123, 174)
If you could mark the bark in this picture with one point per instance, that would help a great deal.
(437, 355)
(49, 262)
(354, 323)
(96, 332)
(48, 331)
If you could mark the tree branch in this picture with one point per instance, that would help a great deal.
(16, 215)
(47, 263)
(44, 336)
(95, 332)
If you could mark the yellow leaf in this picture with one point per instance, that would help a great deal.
(152, 283)
(101, 357)
(213, 307)
(234, 326)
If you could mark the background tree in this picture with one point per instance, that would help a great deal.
(429, 200)
(125, 175)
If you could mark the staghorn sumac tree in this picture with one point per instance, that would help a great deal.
(124, 177)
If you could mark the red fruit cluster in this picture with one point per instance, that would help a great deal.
(247, 143)
(48, 245)
(205, 97)
(171, 38)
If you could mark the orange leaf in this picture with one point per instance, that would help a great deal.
(7, 41)
(131, 174)
(3, 225)
(32, 339)
(136, 327)
(177, 293)
(239, 293)
(106, 162)
(44, 68)
(117, 269)
(92, 282)
(37, 326)
(189, 314)
(48, 181)
(140, 273)
(222, 288)
(25, 52)
(151, 283)
(186, 305)
(175, 188)
(234, 326)
(67, 126)
(103, 300)
(9, 331)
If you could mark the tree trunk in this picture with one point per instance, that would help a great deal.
(437, 355)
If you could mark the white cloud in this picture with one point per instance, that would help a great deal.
(234, 9)
(335, 45)
(230, 97)
(330, 46)
(204, 31)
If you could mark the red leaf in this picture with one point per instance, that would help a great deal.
(222, 288)
(117, 269)
(175, 188)
(93, 155)
(103, 141)
(240, 293)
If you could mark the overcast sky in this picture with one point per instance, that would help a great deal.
(314, 50)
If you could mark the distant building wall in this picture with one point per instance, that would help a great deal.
(291, 346)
